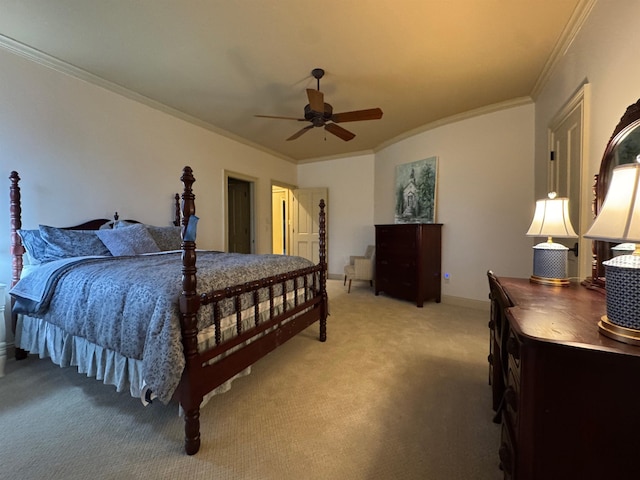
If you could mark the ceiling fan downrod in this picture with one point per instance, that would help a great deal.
(317, 73)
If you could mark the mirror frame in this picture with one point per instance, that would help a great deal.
(601, 250)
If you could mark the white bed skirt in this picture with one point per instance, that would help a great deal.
(49, 341)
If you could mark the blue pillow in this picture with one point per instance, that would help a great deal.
(63, 243)
(132, 240)
(167, 238)
(34, 245)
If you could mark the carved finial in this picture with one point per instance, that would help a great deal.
(188, 205)
(187, 176)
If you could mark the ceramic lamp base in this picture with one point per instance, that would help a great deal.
(621, 334)
(622, 321)
(550, 264)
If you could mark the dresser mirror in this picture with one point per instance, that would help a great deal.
(623, 148)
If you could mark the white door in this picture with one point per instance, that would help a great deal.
(304, 222)
(566, 139)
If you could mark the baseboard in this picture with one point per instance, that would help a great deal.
(448, 299)
(467, 303)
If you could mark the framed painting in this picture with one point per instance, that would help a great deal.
(416, 191)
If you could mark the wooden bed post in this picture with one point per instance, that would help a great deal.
(190, 394)
(17, 250)
(323, 273)
(176, 216)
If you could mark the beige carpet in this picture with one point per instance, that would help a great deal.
(396, 392)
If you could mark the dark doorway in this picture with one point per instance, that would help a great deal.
(239, 215)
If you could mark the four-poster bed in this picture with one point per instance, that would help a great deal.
(180, 327)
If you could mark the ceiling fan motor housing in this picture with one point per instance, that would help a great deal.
(318, 118)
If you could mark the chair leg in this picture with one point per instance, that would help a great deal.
(345, 280)
(371, 283)
(349, 289)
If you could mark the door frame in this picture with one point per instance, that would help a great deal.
(225, 208)
(580, 99)
(289, 188)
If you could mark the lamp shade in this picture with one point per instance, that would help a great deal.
(551, 218)
(619, 218)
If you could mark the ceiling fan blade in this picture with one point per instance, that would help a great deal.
(300, 132)
(338, 131)
(316, 100)
(357, 115)
(281, 118)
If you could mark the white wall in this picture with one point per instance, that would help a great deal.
(350, 205)
(484, 195)
(84, 152)
(604, 56)
(484, 198)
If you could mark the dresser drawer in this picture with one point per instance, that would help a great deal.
(389, 247)
(514, 351)
(396, 288)
(398, 267)
(397, 232)
(511, 400)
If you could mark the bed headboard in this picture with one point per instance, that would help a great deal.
(15, 207)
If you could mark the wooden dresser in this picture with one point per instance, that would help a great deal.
(408, 261)
(570, 406)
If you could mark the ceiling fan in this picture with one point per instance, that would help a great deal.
(320, 114)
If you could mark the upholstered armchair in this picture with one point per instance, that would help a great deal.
(360, 267)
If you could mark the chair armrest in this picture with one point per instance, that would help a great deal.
(352, 259)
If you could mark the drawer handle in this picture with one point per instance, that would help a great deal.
(513, 347)
(506, 459)
(492, 325)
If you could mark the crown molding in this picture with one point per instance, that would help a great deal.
(60, 66)
(568, 35)
(495, 107)
(337, 156)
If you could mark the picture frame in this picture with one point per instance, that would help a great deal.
(415, 191)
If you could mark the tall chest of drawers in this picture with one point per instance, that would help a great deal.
(569, 406)
(408, 258)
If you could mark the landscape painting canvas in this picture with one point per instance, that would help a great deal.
(416, 191)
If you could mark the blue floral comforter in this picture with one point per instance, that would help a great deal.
(130, 304)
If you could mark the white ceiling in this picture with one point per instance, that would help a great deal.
(220, 62)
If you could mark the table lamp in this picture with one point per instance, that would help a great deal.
(551, 219)
(619, 221)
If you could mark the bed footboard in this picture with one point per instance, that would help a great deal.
(283, 306)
